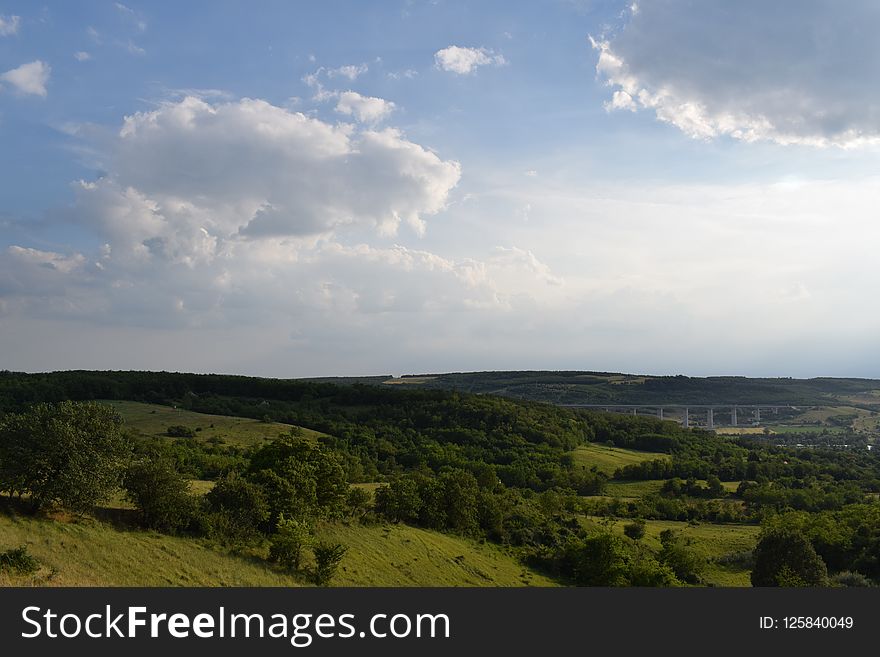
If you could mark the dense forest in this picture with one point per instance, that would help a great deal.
(487, 467)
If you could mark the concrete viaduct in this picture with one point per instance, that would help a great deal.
(728, 410)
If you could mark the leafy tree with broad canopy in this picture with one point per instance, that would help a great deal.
(785, 557)
(69, 454)
(300, 479)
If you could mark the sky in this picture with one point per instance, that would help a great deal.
(347, 188)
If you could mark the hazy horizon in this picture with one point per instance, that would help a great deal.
(296, 190)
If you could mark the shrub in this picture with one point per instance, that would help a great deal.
(849, 578)
(19, 560)
(599, 560)
(237, 509)
(635, 529)
(687, 565)
(180, 431)
(290, 537)
(161, 495)
(327, 559)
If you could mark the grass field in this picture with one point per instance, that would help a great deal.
(739, 431)
(92, 553)
(370, 487)
(154, 420)
(398, 555)
(710, 540)
(634, 489)
(608, 459)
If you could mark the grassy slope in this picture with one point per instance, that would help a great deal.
(608, 459)
(154, 420)
(92, 553)
(397, 555)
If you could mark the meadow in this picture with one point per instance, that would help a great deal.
(89, 552)
(153, 420)
(608, 459)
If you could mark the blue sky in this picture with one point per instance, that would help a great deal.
(298, 189)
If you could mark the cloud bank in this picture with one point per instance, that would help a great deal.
(791, 73)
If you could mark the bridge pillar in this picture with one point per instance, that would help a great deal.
(758, 414)
(733, 416)
(710, 418)
(686, 418)
(660, 412)
(635, 411)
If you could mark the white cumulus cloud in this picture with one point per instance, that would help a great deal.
(750, 70)
(350, 71)
(29, 78)
(365, 109)
(463, 61)
(251, 168)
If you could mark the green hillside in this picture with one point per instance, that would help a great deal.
(93, 553)
(153, 420)
(607, 459)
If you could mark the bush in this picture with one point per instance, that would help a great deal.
(740, 559)
(291, 536)
(599, 560)
(849, 578)
(635, 529)
(161, 495)
(327, 559)
(687, 565)
(18, 560)
(180, 431)
(237, 509)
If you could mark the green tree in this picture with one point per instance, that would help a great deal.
(460, 495)
(598, 560)
(687, 565)
(237, 509)
(287, 543)
(785, 557)
(357, 503)
(69, 454)
(299, 478)
(160, 494)
(328, 556)
(645, 570)
(716, 489)
(399, 501)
